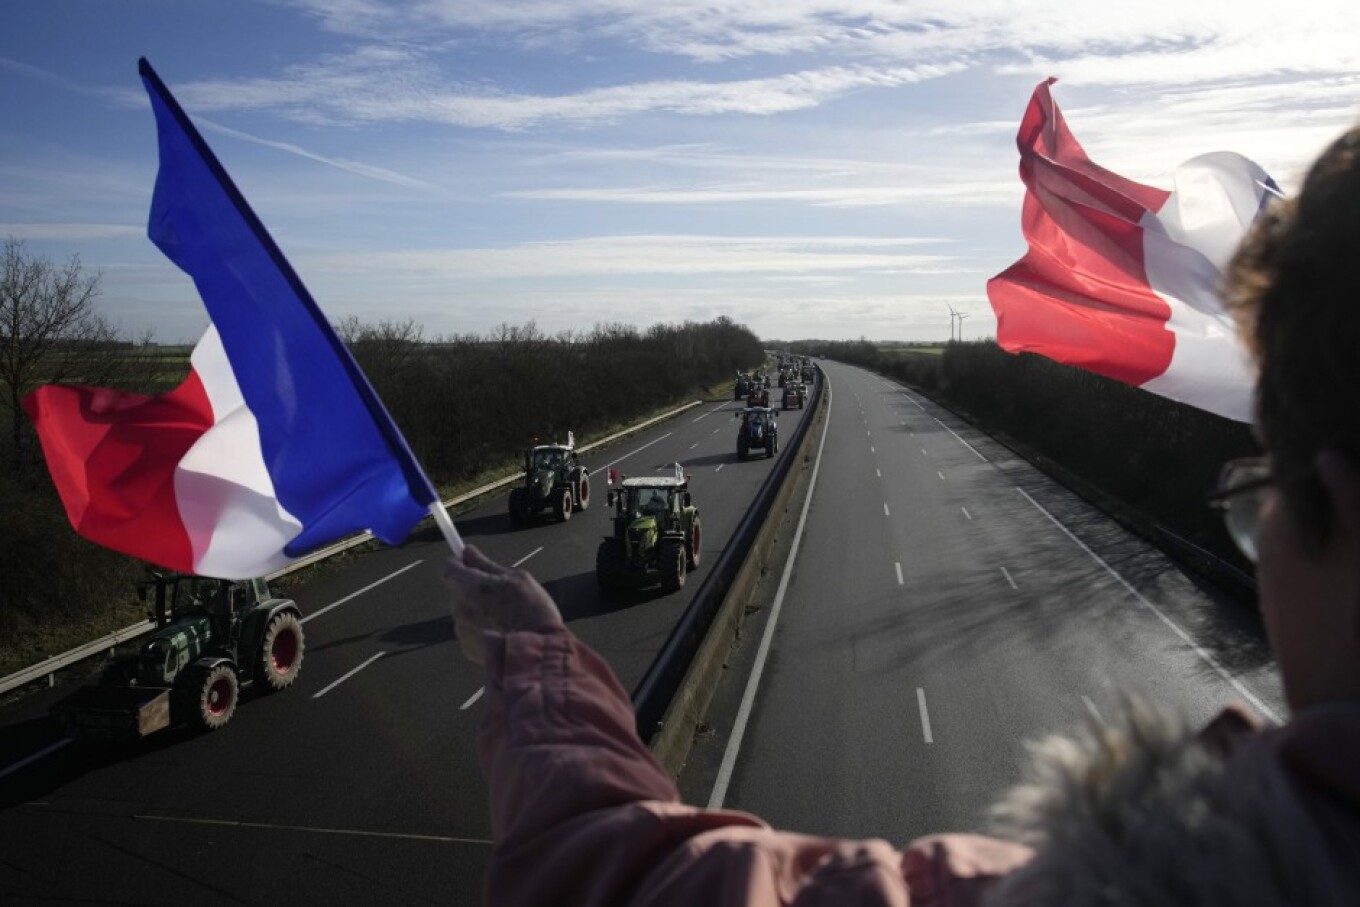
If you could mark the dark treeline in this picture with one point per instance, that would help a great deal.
(1156, 458)
(466, 404)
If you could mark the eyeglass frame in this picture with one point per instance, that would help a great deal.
(1243, 531)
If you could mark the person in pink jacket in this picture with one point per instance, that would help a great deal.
(1145, 811)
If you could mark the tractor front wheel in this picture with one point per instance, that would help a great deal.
(214, 694)
(562, 504)
(281, 651)
(672, 564)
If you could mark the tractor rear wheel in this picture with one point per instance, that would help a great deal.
(696, 540)
(212, 695)
(671, 559)
(562, 504)
(609, 564)
(281, 651)
(583, 492)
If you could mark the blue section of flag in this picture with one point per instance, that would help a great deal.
(338, 462)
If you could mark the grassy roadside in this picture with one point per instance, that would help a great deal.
(35, 642)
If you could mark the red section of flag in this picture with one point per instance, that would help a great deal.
(1080, 295)
(112, 456)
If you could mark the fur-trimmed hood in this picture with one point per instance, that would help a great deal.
(1144, 811)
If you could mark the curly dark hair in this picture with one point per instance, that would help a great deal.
(1294, 288)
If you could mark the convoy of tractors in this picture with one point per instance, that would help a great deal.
(214, 638)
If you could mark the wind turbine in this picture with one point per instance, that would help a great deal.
(952, 315)
(961, 315)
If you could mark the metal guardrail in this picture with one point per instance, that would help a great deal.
(49, 666)
(667, 671)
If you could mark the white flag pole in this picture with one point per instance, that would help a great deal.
(441, 519)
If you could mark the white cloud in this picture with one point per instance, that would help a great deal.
(613, 256)
(67, 232)
(369, 171)
(958, 190)
(384, 85)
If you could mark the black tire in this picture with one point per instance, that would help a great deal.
(281, 650)
(583, 491)
(742, 450)
(695, 551)
(609, 564)
(771, 445)
(211, 696)
(517, 514)
(671, 560)
(562, 504)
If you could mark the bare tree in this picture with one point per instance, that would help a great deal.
(49, 330)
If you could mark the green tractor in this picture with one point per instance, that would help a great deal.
(553, 477)
(657, 534)
(212, 638)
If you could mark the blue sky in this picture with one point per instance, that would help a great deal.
(810, 169)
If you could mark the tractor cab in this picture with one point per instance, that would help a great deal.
(656, 534)
(554, 478)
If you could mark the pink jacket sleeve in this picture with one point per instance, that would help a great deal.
(582, 813)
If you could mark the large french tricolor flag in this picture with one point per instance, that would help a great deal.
(275, 444)
(1121, 278)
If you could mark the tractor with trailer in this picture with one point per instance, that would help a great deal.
(759, 431)
(212, 639)
(657, 536)
(553, 477)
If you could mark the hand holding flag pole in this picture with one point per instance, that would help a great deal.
(274, 446)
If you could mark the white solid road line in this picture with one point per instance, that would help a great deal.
(46, 751)
(963, 442)
(353, 595)
(1007, 574)
(346, 676)
(1199, 650)
(925, 715)
(729, 760)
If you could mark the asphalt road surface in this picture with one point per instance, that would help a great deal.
(360, 784)
(948, 602)
(945, 603)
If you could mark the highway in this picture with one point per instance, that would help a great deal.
(360, 784)
(945, 603)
